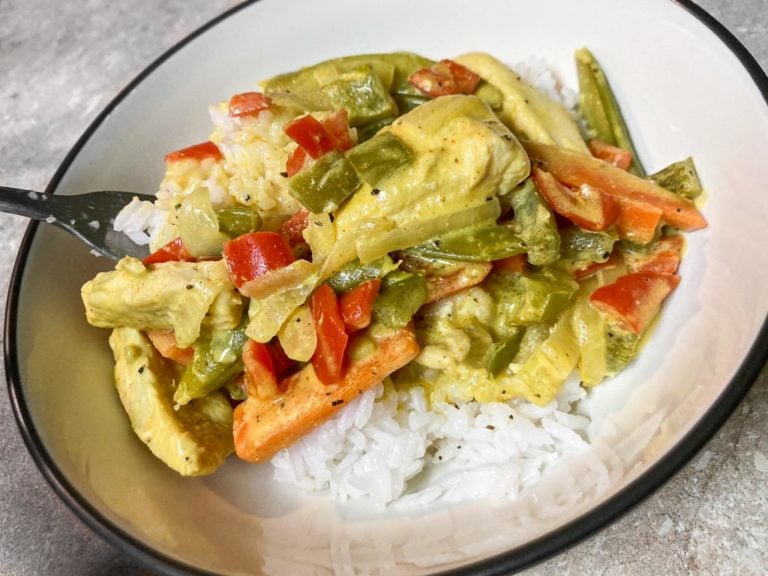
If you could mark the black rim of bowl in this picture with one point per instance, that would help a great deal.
(515, 559)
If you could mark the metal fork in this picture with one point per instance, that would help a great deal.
(89, 217)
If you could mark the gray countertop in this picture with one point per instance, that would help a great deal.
(62, 62)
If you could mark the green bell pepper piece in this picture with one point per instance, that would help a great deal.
(238, 220)
(400, 297)
(325, 184)
(583, 247)
(523, 299)
(502, 353)
(378, 157)
(679, 177)
(214, 364)
(367, 131)
(362, 94)
(535, 224)
(621, 348)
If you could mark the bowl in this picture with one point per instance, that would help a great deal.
(676, 73)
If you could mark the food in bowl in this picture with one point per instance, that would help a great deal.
(392, 278)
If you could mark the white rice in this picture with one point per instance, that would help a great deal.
(389, 447)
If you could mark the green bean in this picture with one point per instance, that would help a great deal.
(600, 108)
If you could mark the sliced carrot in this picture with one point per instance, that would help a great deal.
(619, 157)
(637, 221)
(263, 428)
(574, 169)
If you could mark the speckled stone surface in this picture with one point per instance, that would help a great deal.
(61, 62)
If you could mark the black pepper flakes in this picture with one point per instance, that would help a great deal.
(375, 191)
(141, 369)
(284, 174)
(337, 402)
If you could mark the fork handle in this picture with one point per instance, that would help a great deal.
(28, 203)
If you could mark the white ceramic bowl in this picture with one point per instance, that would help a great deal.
(687, 88)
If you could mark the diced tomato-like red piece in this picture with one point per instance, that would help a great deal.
(588, 207)
(248, 104)
(174, 251)
(255, 254)
(619, 157)
(309, 133)
(200, 151)
(357, 304)
(634, 299)
(328, 359)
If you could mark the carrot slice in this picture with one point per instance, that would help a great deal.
(574, 169)
(263, 428)
(637, 221)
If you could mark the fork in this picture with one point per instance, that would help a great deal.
(89, 217)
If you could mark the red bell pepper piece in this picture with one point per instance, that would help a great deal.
(296, 162)
(444, 78)
(174, 251)
(196, 152)
(293, 228)
(310, 134)
(337, 124)
(357, 304)
(634, 299)
(328, 359)
(316, 138)
(255, 254)
(248, 104)
(588, 207)
(260, 373)
(594, 267)
(664, 257)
